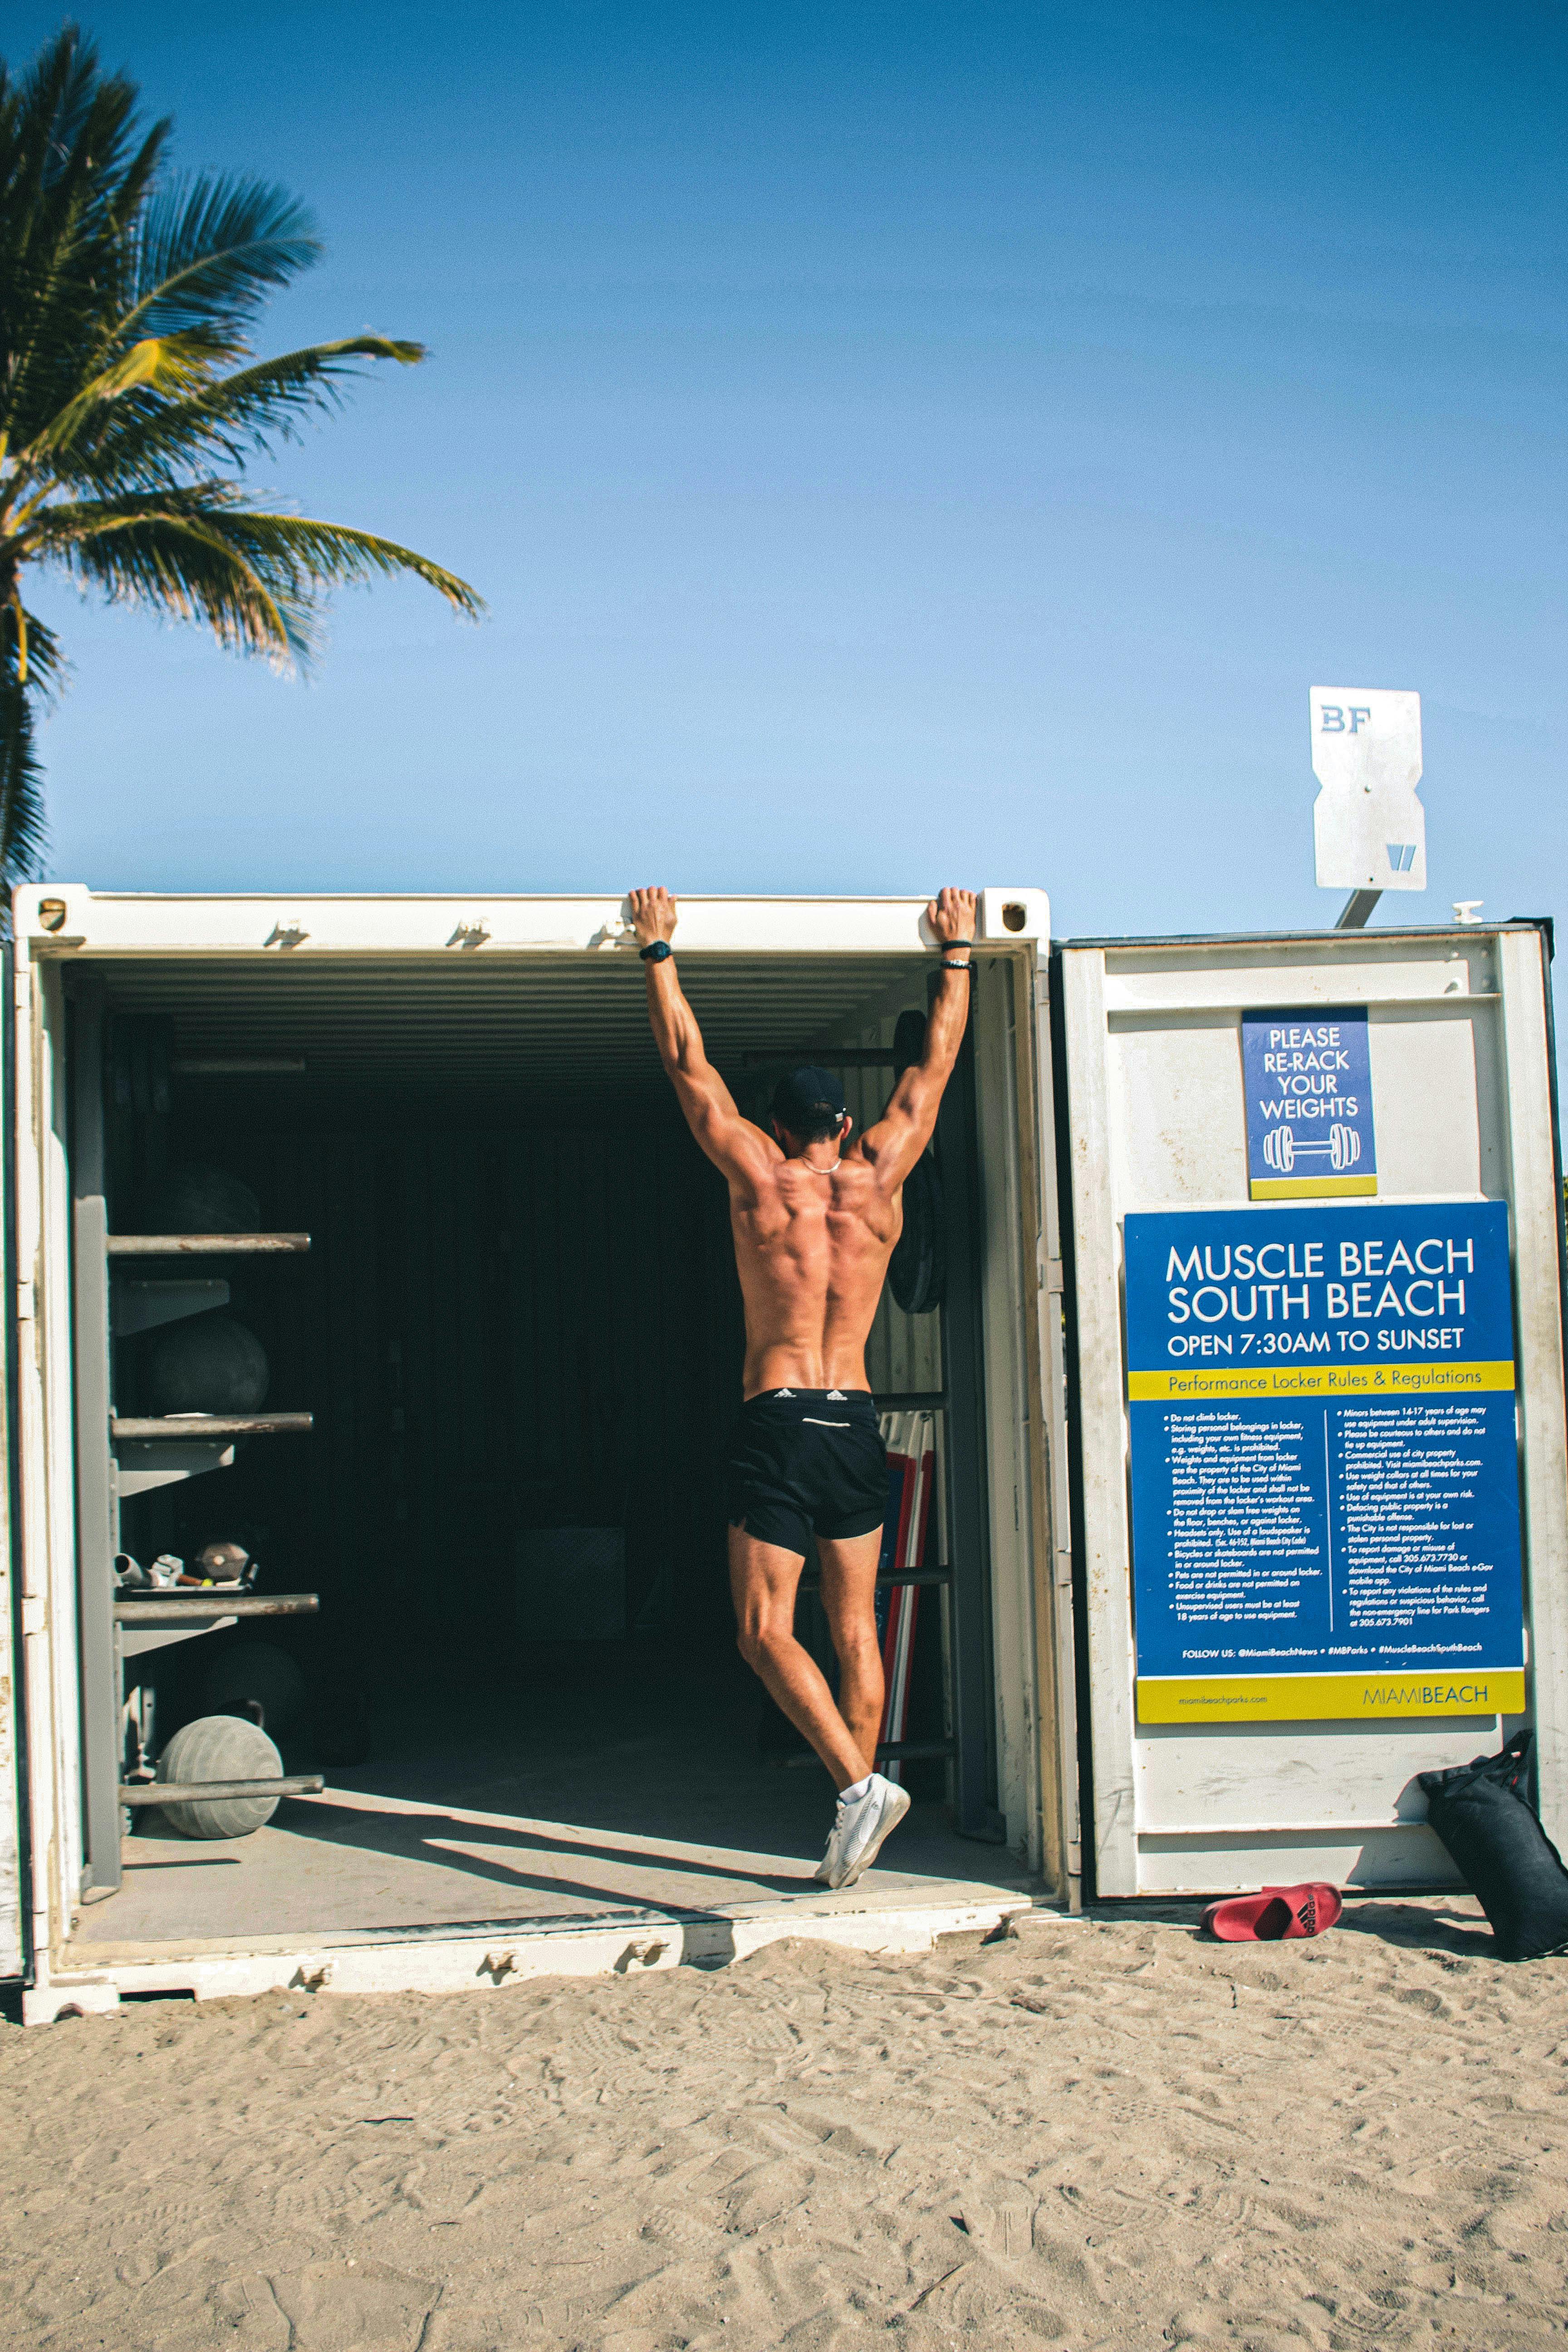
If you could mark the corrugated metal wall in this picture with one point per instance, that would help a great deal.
(495, 1329)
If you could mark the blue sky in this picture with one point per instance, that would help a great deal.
(896, 443)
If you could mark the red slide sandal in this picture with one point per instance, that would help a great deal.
(1275, 1914)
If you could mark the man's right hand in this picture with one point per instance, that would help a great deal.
(951, 916)
(653, 914)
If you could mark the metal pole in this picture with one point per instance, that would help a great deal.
(1354, 914)
(208, 1793)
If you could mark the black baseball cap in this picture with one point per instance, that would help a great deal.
(802, 1096)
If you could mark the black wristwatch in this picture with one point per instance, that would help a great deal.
(656, 951)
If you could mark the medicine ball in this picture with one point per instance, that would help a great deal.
(254, 1674)
(219, 1748)
(918, 1274)
(193, 1199)
(211, 1364)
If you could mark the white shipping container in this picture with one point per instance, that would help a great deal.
(1459, 1033)
(515, 1313)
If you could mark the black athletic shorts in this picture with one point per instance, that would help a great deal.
(806, 1461)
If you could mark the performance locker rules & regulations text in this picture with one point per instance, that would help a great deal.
(1324, 1464)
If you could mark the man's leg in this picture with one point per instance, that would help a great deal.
(849, 1599)
(763, 1580)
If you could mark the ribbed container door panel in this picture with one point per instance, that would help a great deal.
(12, 1953)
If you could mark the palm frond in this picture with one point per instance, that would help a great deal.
(69, 191)
(297, 557)
(210, 251)
(66, 101)
(172, 554)
(335, 555)
(23, 834)
(30, 649)
(144, 443)
(159, 364)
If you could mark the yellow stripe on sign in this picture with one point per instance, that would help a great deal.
(1214, 1384)
(1312, 1188)
(1315, 1698)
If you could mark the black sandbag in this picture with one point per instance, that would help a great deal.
(193, 1198)
(1483, 1813)
(213, 1363)
(918, 1274)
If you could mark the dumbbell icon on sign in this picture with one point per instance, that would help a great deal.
(1281, 1149)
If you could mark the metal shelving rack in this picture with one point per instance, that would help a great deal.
(118, 1456)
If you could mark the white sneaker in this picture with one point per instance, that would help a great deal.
(859, 1829)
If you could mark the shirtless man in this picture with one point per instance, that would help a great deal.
(815, 1219)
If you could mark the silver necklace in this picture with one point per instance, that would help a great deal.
(822, 1171)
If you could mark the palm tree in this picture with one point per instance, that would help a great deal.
(131, 400)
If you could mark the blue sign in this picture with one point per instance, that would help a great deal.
(1324, 1459)
(1307, 1075)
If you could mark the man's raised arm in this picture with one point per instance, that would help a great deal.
(731, 1142)
(896, 1140)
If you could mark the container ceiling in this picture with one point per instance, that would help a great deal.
(570, 1028)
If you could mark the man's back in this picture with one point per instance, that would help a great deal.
(812, 1247)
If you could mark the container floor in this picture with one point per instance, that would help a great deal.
(550, 1806)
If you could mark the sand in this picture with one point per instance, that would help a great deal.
(1096, 2134)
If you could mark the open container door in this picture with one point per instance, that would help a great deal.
(1324, 1525)
(1021, 1351)
(14, 1941)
